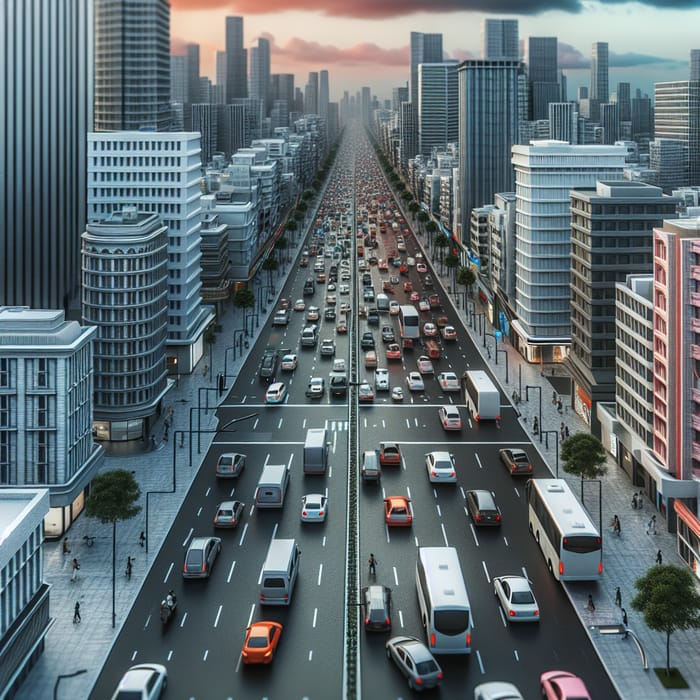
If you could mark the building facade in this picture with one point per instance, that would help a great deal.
(259, 78)
(438, 108)
(236, 60)
(499, 39)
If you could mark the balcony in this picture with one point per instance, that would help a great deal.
(695, 352)
(696, 395)
(695, 272)
(695, 299)
(695, 421)
(695, 325)
(696, 450)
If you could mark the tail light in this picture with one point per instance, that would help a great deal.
(419, 681)
(498, 517)
(479, 518)
(367, 621)
(512, 613)
(387, 621)
(469, 639)
(432, 640)
(561, 568)
(600, 567)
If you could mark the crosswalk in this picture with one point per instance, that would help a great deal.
(337, 425)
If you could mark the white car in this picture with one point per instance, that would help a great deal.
(289, 362)
(314, 508)
(344, 289)
(422, 268)
(276, 393)
(331, 300)
(312, 313)
(381, 379)
(425, 366)
(328, 347)
(441, 467)
(299, 305)
(430, 330)
(415, 382)
(448, 381)
(449, 417)
(397, 394)
(516, 598)
(142, 682)
(394, 308)
(411, 262)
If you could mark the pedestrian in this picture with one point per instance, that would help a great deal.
(566, 432)
(206, 370)
(372, 565)
(618, 597)
(76, 613)
(617, 529)
(634, 500)
(129, 564)
(591, 605)
(554, 397)
(560, 406)
(561, 432)
(535, 426)
(66, 548)
(75, 566)
(659, 558)
(624, 622)
(142, 538)
(153, 442)
(651, 525)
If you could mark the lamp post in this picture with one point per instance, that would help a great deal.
(527, 398)
(546, 443)
(505, 354)
(471, 310)
(182, 434)
(481, 315)
(66, 675)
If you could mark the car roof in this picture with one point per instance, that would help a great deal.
(484, 497)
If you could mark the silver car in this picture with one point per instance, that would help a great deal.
(415, 662)
(381, 379)
(229, 465)
(497, 690)
(142, 682)
(200, 557)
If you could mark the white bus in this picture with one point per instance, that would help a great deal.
(569, 540)
(443, 600)
(409, 321)
(481, 396)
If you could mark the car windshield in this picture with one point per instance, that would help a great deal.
(423, 668)
(443, 464)
(522, 598)
(225, 513)
(257, 642)
(129, 695)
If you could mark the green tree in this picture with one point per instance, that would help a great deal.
(452, 263)
(244, 298)
(668, 599)
(302, 206)
(270, 264)
(414, 208)
(112, 498)
(406, 196)
(292, 226)
(308, 194)
(423, 218)
(441, 241)
(466, 276)
(583, 455)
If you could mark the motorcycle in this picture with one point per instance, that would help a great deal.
(167, 610)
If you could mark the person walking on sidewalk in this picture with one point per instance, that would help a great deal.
(66, 548)
(372, 565)
(651, 525)
(617, 529)
(129, 564)
(624, 622)
(634, 501)
(554, 397)
(535, 426)
(618, 597)
(590, 606)
(659, 558)
(76, 613)
(74, 574)
(142, 538)
(560, 406)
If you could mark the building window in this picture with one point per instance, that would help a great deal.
(4, 372)
(42, 372)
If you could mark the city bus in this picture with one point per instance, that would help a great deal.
(569, 540)
(409, 321)
(481, 396)
(443, 600)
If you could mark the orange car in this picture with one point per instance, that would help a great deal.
(261, 640)
(398, 511)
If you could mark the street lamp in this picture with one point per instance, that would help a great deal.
(527, 398)
(481, 315)
(505, 354)
(546, 444)
(66, 675)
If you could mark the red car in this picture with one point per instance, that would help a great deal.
(393, 352)
(389, 453)
(398, 511)
(408, 286)
(562, 685)
(261, 640)
(434, 301)
(414, 297)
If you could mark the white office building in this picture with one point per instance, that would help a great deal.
(159, 173)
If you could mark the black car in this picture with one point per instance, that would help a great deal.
(373, 317)
(376, 606)
(483, 508)
(367, 342)
(329, 314)
(388, 334)
(268, 365)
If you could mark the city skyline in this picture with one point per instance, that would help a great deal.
(353, 40)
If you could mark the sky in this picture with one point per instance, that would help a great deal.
(366, 42)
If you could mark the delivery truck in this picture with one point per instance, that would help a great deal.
(481, 396)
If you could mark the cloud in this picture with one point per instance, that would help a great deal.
(570, 58)
(374, 9)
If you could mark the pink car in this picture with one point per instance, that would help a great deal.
(562, 685)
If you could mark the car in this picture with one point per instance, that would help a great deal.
(424, 305)
(411, 262)
(483, 508)
(397, 394)
(368, 294)
(261, 640)
(449, 417)
(389, 453)
(142, 682)
(268, 365)
(442, 321)
(448, 381)
(422, 268)
(328, 347)
(365, 393)
(407, 286)
(314, 508)
(361, 265)
(331, 287)
(441, 467)
(497, 690)
(344, 289)
(393, 352)
(200, 557)
(398, 511)
(449, 333)
(367, 341)
(342, 325)
(427, 281)
(276, 393)
(329, 314)
(415, 661)
(394, 280)
(382, 265)
(370, 359)
(563, 685)
(312, 313)
(289, 362)
(414, 297)
(371, 469)
(516, 460)
(434, 301)
(376, 608)
(321, 277)
(425, 366)
(230, 465)
(299, 305)
(430, 330)
(381, 379)
(516, 598)
(414, 380)
(285, 304)
(394, 308)
(388, 335)
(345, 308)
(229, 514)
(316, 387)
(331, 299)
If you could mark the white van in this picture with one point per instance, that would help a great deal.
(279, 572)
(272, 486)
(316, 451)
(383, 303)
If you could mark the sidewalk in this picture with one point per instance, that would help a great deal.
(73, 647)
(625, 558)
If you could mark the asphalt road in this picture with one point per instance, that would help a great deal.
(201, 647)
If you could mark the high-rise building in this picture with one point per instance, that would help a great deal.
(610, 121)
(323, 93)
(438, 106)
(398, 95)
(164, 176)
(542, 74)
(259, 80)
(642, 116)
(563, 122)
(624, 101)
(425, 48)
(43, 150)
(311, 94)
(408, 134)
(677, 116)
(205, 120)
(496, 96)
(282, 88)
(178, 79)
(600, 89)
(132, 65)
(236, 60)
(499, 39)
(220, 91)
(545, 172)
(695, 64)
(193, 82)
(601, 219)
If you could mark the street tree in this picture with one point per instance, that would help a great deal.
(669, 600)
(441, 242)
(414, 208)
(583, 455)
(244, 298)
(292, 227)
(452, 263)
(406, 196)
(270, 264)
(113, 498)
(423, 218)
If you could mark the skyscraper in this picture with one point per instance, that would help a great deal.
(425, 48)
(398, 95)
(438, 105)
(542, 74)
(259, 80)
(220, 90)
(323, 93)
(311, 94)
(43, 150)
(282, 88)
(193, 87)
(236, 60)
(499, 39)
(600, 89)
(132, 65)
(624, 101)
(695, 64)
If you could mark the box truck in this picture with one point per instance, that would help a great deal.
(481, 396)
(315, 451)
